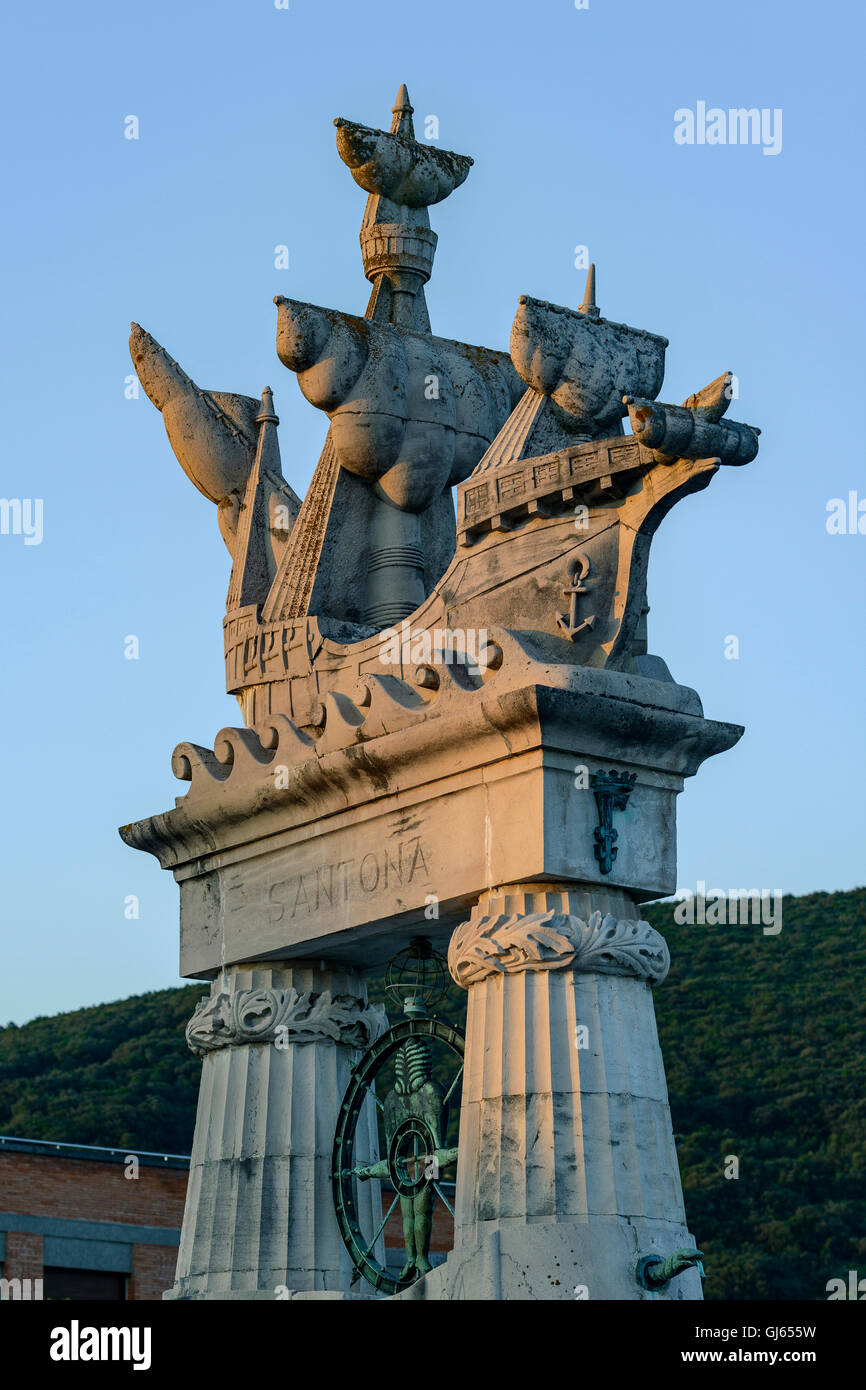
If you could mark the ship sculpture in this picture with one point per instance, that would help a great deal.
(533, 441)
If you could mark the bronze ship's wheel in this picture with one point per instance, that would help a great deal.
(409, 1146)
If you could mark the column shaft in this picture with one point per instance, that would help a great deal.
(259, 1218)
(567, 1171)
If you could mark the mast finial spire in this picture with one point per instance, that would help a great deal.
(589, 306)
(402, 114)
(267, 412)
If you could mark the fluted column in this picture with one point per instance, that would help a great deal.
(277, 1043)
(567, 1171)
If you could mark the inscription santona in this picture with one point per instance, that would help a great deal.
(327, 885)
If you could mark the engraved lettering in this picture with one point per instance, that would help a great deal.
(322, 886)
(417, 857)
(321, 889)
(397, 865)
(277, 905)
(365, 884)
(344, 865)
(301, 891)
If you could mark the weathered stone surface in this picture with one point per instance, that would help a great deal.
(567, 1171)
(268, 1015)
(504, 943)
(403, 178)
(552, 1262)
(673, 432)
(288, 852)
(584, 363)
(259, 1221)
(447, 720)
(412, 415)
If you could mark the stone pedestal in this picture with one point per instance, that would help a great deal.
(278, 1045)
(567, 1172)
(285, 850)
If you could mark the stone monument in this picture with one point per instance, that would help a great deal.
(453, 732)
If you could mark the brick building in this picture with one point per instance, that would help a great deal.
(96, 1223)
(90, 1223)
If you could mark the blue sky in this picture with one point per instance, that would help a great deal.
(745, 261)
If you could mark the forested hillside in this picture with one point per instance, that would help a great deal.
(764, 1040)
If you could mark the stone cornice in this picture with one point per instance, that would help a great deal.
(250, 787)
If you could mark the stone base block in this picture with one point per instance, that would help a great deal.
(547, 1261)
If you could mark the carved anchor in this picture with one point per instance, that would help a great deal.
(578, 569)
(612, 791)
